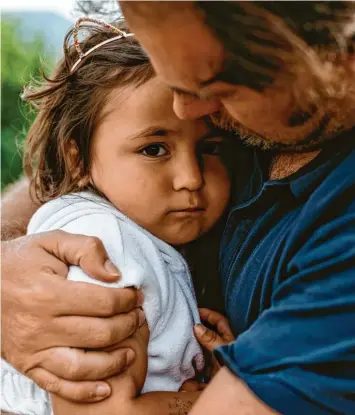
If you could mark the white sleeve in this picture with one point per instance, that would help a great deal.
(20, 395)
(119, 244)
(169, 302)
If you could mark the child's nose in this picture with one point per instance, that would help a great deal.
(188, 174)
(190, 108)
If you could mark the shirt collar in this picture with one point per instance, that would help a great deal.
(304, 181)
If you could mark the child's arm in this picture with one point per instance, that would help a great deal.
(125, 399)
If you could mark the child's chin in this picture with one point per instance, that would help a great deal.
(183, 238)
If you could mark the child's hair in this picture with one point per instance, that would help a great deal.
(69, 104)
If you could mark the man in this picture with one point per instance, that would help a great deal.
(281, 75)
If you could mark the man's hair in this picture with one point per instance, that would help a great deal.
(265, 38)
(69, 105)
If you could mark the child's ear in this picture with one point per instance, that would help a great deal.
(75, 165)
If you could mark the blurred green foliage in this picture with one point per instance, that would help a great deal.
(20, 62)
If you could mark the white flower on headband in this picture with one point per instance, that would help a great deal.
(82, 55)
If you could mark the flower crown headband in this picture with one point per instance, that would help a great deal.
(82, 55)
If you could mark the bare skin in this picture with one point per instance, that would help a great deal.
(16, 210)
(285, 164)
(226, 394)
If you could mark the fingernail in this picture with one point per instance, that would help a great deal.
(130, 356)
(111, 268)
(200, 329)
(141, 317)
(102, 391)
(140, 298)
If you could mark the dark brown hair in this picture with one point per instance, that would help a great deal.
(272, 43)
(264, 38)
(57, 150)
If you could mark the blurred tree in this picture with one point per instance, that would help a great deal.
(19, 62)
(109, 10)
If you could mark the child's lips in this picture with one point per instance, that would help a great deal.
(189, 210)
(192, 209)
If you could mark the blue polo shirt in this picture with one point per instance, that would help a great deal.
(288, 275)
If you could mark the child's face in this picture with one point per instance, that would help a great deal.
(162, 172)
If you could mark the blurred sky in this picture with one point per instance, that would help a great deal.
(63, 7)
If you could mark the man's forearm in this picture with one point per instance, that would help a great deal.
(17, 209)
(228, 395)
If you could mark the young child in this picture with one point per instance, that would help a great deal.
(110, 159)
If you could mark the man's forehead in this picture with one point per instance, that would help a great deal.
(188, 76)
(184, 58)
(155, 11)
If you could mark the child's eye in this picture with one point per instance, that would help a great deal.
(213, 148)
(154, 150)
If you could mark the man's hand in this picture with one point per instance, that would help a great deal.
(47, 321)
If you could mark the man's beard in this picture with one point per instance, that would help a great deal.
(313, 141)
(224, 121)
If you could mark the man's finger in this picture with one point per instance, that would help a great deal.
(75, 391)
(86, 252)
(219, 321)
(95, 300)
(94, 333)
(79, 365)
(207, 338)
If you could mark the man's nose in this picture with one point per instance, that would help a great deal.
(188, 173)
(190, 108)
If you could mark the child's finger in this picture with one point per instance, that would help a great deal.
(190, 386)
(219, 321)
(208, 338)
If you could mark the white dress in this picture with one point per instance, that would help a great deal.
(145, 262)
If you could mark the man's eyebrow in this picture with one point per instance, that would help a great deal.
(183, 91)
(202, 84)
(214, 78)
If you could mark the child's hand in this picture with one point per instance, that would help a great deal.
(210, 339)
(192, 386)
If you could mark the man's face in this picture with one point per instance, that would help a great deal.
(189, 57)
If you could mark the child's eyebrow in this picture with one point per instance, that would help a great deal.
(159, 131)
(151, 131)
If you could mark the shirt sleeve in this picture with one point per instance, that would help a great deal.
(299, 355)
(20, 395)
(127, 250)
(169, 303)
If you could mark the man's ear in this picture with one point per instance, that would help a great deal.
(75, 165)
